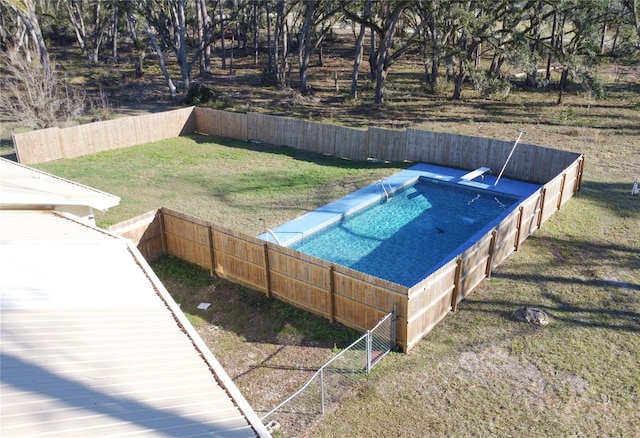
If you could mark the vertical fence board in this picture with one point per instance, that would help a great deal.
(421, 145)
(351, 143)
(553, 190)
(299, 279)
(387, 144)
(144, 231)
(261, 127)
(530, 208)
(506, 238)
(319, 137)
(221, 123)
(38, 146)
(429, 302)
(239, 257)
(474, 266)
(572, 182)
(187, 238)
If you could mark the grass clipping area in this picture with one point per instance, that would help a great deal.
(479, 372)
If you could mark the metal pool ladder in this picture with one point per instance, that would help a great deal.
(387, 193)
(270, 231)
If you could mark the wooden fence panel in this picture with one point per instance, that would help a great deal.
(319, 137)
(239, 257)
(552, 191)
(187, 238)
(477, 153)
(97, 137)
(473, 268)
(421, 145)
(169, 124)
(145, 231)
(221, 123)
(38, 146)
(429, 302)
(288, 132)
(387, 144)
(261, 127)
(572, 181)
(300, 279)
(294, 134)
(505, 238)
(351, 143)
(529, 215)
(362, 300)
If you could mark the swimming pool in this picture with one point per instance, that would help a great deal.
(403, 228)
(401, 239)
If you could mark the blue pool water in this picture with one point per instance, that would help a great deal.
(405, 238)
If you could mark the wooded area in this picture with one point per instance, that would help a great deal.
(460, 41)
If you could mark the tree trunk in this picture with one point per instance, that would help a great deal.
(553, 44)
(270, 45)
(202, 30)
(224, 62)
(280, 37)
(114, 50)
(357, 59)
(163, 67)
(458, 81)
(30, 20)
(75, 17)
(256, 33)
(182, 44)
(372, 57)
(563, 81)
(96, 34)
(304, 46)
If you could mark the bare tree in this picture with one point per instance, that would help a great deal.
(34, 96)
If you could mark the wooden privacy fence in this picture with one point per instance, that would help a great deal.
(57, 143)
(530, 163)
(335, 292)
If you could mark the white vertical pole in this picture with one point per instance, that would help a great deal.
(509, 157)
(322, 389)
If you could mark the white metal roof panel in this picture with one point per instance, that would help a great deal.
(23, 185)
(89, 347)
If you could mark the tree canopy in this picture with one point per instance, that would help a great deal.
(461, 41)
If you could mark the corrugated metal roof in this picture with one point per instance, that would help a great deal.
(23, 185)
(91, 348)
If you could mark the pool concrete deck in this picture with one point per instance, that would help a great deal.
(310, 222)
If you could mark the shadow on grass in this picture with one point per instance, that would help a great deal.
(247, 313)
(614, 196)
(570, 315)
(584, 297)
(297, 154)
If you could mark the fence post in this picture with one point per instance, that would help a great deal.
(332, 292)
(212, 253)
(267, 269)
(564, 179)
(394, 327)
(322, 388)
(368, 351)
(456, 285)
(163, 232)
(492, 249)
